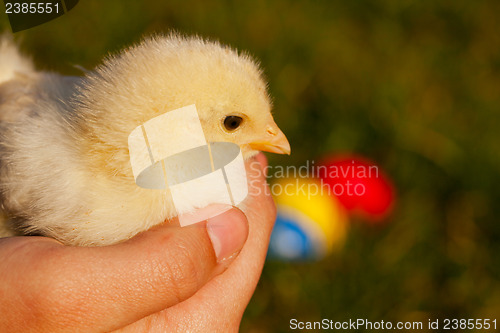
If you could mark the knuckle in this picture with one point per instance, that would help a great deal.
(49, 295)
(182, 272)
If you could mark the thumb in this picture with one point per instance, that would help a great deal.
(110, 287)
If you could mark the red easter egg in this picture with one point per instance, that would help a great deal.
(359, 184)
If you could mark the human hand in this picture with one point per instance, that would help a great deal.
(165, 279)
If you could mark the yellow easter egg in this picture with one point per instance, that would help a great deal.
(308, 203)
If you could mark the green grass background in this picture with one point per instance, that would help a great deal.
(411, 84)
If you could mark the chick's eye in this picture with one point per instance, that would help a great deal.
(232, 122)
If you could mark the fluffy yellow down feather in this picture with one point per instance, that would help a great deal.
(64, 163)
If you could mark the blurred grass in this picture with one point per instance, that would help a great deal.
(414, 85)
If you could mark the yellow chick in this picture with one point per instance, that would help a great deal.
(65, 169)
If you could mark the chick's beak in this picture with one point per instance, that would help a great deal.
(275, 142)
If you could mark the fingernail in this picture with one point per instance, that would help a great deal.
(228, 233)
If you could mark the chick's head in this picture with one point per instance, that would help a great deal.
(165, 73)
